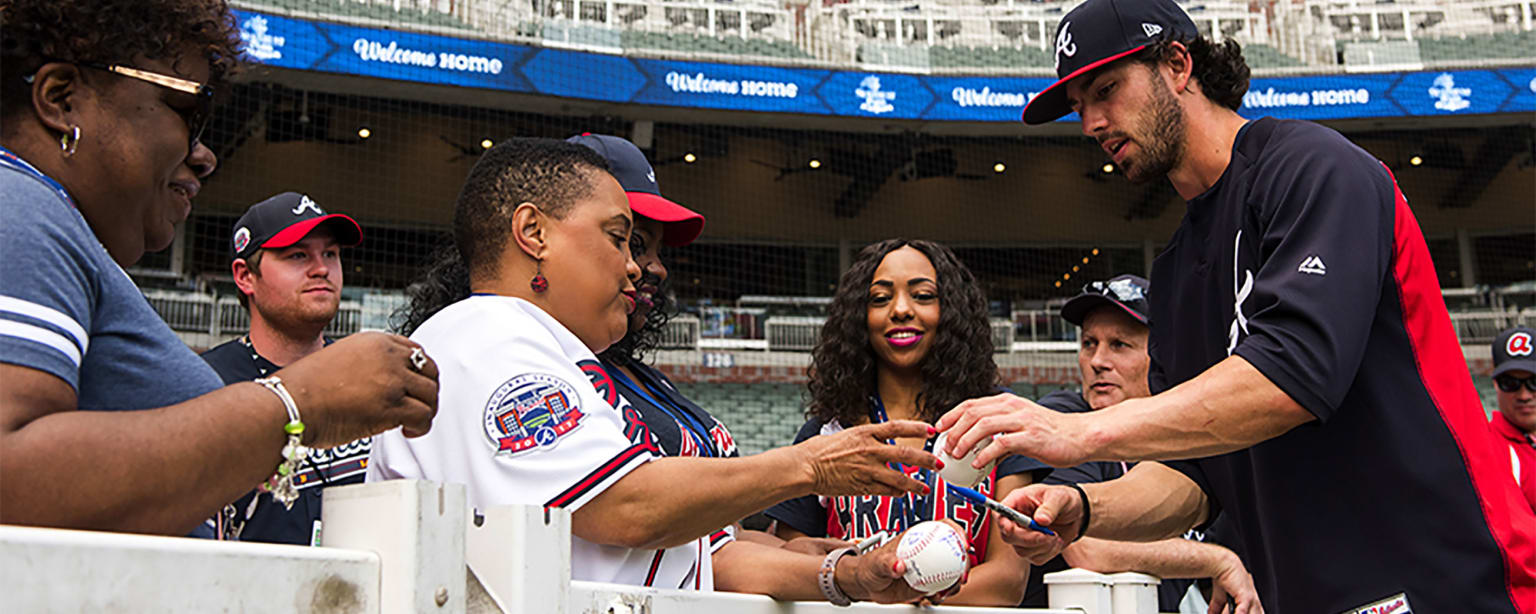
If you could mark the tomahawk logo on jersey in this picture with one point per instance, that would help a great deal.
(522, 420)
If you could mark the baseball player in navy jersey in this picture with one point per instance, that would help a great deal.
(542, 234)
(287, 268)
(1301, 353)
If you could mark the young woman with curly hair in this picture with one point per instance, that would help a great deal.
(107, 420)
(907, 337)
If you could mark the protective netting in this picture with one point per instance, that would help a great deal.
(791, 196)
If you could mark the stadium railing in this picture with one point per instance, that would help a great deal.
(408, 547)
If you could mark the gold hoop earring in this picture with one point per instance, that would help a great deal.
(69, 141)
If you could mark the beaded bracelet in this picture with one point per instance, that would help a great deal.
(281, 483)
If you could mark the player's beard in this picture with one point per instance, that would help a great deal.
(1162, 147)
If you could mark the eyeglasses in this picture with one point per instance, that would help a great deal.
(201, 115)
(1510, 383)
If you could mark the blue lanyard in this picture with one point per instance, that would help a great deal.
(908, 502)
(690, 426)
(14, 161)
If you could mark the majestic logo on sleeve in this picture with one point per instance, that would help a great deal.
(1519, 344)
(531, 411)
(1313, 264)
(1064, 44)
(1241, 291)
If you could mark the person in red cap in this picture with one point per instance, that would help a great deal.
(1306, 380)
(1514, 374)
(287, 266)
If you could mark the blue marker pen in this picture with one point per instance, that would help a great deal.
(977, 498)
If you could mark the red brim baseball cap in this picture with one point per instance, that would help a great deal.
(681, 224)
(285, 219)
(628, 165)
(1099, 32)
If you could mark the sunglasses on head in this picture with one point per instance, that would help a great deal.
(200, 116)
(1123, 292)
(1510, 383)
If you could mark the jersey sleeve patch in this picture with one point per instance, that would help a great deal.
(530, 412)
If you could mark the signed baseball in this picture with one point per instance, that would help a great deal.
(958, 471)
(934, 553)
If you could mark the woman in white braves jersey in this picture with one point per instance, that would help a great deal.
(543, 231)
(907, 336)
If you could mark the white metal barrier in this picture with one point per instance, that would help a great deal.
(408, 547)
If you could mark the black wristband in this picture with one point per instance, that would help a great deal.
(1083, 496)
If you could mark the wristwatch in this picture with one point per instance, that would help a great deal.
(825, 578)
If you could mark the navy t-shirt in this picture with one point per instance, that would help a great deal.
(255, 517)
(1305, 260)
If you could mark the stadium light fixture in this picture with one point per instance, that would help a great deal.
(690, 158)
(999, 167)
(1095, 251)
(363, 132)
(1066, 276)
(1058, 284)
(1074, 268)
(815, 163)
(1416, 161)
(1108, 168)
(486, 143)
(1085, 260)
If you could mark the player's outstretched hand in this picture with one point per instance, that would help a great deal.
(877, 576)
(1022, 427)
(1056, 507)
(853, 461)
(362, 385)
(1232, 590)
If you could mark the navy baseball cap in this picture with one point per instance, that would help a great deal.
(1514, 350)
(285, 219)
(1098, 32)
(629, 166)
(1128, 292)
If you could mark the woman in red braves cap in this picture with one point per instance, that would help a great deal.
(107, 420)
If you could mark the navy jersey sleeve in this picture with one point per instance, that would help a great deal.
(804, 514)
(1192, 470)
(1086, 473)
(1324, 212)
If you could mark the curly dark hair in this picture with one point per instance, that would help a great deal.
(958, 367)
(1219, 68)
(35, 32)
(550, 173)
(443, 282)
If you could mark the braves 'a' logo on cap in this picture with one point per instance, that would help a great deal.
(306, 203)
(1519, 344)
(1064, 44)
(242, 239)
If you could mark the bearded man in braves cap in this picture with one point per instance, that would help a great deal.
(286, 262)
(1302, 357)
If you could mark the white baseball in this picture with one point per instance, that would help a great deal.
(958, 471)
(935, 556)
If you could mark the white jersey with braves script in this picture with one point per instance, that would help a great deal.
(520, 422)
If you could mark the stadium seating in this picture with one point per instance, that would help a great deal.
(697, 43)
(1260, 55)
(1502, 45)
(381, 12)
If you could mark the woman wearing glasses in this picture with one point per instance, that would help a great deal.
(907, 337)
(107, 421)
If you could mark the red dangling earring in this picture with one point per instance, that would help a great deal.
(538, 283)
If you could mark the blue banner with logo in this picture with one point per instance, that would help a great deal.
(428, 58)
